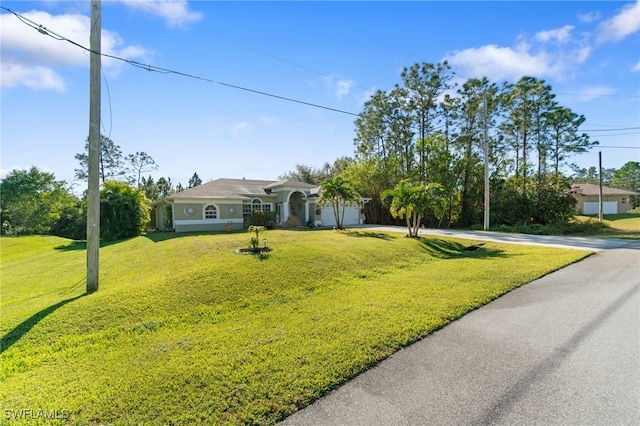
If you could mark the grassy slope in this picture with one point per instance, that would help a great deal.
(624, 225)
(183, 330)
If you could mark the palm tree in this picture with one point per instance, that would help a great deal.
(338, 191)
(411, 201)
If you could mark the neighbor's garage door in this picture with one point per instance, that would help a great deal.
(608, 207)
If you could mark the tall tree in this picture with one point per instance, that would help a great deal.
(139, 163)
(469, 120)
(370, 178)
(308, 174)
(32, 200)
(338, 192)
(425, 84)
(194, 181)
(150, 188)
(165, 187)
(565, 140)
(628, 177)
(111, 163)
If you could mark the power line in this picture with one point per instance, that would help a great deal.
(151, 68)
(612, 130)
(328, 76)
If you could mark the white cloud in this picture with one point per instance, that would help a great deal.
(623, 24)
(238, 128)
(268, 120)
(593, 92)
(5, 172)
(30, 58)
(176, 13)
(560, 35)
(582, 54)
(338, 86)
(636, 68)
(504, 63)
(589, 17)
(34, 77)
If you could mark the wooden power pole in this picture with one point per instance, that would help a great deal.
(487, 203)
(600, 211)
(93, 189)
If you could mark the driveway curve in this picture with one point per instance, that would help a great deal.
(561, 350)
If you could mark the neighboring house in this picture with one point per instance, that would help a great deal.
(214, 205)
(613, 200)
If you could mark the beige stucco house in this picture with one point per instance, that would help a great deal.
(613, 200)
(216, 204)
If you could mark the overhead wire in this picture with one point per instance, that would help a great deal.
(152, 68)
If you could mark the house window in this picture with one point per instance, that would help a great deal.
(624, 200)
(210, 212)
(256, 204)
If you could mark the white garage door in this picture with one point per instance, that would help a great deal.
(329, 219)
(608, 207)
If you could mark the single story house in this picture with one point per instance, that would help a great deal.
(214, 205)
(613, 200)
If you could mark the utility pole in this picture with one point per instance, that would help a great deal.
(93, 189)
(487, 203)
(600, 213)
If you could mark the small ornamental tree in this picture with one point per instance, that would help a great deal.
(124, 211)
(412, 201)
(258, 231)
(338, 191)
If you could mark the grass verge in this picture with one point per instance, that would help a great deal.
(183, 330)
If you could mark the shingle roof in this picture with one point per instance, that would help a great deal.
(291, 182)
(226, 188)
(587, 189)
(237, 188)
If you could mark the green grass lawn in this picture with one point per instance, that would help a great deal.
(183, 330)
(624, 225)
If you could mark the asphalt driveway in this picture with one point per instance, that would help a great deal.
(562, 350)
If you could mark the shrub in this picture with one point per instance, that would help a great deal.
(124, 211)
(72, 222)
(261, 218)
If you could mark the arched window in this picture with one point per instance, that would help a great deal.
(255, 205)
(210, 212)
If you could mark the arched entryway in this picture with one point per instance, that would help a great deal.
(297, 207)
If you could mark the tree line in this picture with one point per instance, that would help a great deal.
(35, 202)
(429, 136)
(419, 153)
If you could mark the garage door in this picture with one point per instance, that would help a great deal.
(608, 207)
(329, 218)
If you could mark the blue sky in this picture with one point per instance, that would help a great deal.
(332, 54)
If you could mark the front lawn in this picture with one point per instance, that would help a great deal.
(184, 331)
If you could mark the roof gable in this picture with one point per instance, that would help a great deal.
(587, 189)
(226, 188)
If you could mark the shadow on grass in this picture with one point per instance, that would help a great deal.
(23, 328)
(446, 249)
(82, 245)
(369, 234)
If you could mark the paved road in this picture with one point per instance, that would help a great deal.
(562, 350)
(594, 244)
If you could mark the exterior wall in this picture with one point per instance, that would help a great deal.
(189, 216)
(622, 206)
